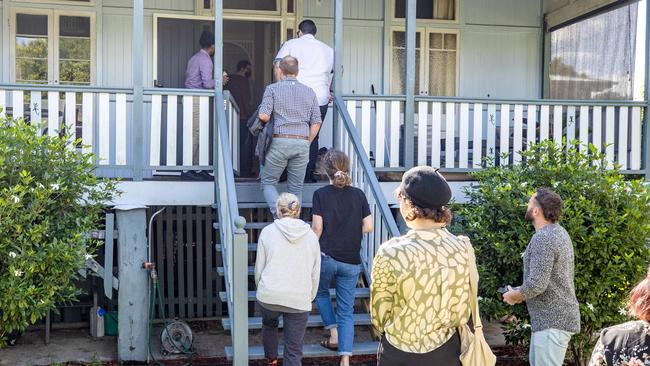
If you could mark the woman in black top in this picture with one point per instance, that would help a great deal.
(627, 344)
(341, 215)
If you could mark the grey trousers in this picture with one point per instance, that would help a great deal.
(292, 154)
(293, 334)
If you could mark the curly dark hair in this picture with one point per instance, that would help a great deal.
(441, 215)
(550, 203)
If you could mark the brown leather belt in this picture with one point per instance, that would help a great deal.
(282, 136)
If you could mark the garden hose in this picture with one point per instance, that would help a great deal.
(157, 297)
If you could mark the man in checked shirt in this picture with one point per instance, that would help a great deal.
(296, 118)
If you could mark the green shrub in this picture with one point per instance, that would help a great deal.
(606, 215)
(49, 200)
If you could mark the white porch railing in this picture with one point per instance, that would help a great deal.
(456, 134)
(102, 119)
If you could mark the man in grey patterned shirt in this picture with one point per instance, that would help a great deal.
(548, 287)
(296, 119)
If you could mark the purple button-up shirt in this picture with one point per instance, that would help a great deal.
(199, 73)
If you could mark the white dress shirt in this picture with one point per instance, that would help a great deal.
(316, 61)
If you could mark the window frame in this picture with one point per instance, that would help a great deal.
(53, 40)
(279, 4)
(425, 67)
(425, 22)
(90, 3)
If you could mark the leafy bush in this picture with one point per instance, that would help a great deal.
(606, 215)
(49, 200)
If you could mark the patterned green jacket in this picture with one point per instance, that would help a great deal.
(420, 289)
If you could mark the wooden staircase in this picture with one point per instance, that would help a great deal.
(254, 209)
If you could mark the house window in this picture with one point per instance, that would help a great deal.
(32, 51)
(264, 5)
(436, 74)
(74, 50)
(598, 57)
(428, 9)
(54, 48)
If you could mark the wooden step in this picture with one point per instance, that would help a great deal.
(359, 293)
(310, 350)
(313, 321)
(252, 247)
(264, 205)
(251, 271)
(262, 225)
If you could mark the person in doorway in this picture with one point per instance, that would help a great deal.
(316, 66)
(200, 75)
(240, 88)
(420, 291)
(341, 215)
(296, 122)
(548, 287)
(287, 271)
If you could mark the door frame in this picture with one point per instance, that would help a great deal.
(283, 20)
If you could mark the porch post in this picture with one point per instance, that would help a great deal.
(646, 95)
(409, 108)
(338, 65)
(133, 295)
(138, 105)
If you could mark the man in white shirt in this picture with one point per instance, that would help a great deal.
(316, 61)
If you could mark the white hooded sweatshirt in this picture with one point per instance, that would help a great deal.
(287, 269)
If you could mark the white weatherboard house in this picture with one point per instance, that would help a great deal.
(439, 82)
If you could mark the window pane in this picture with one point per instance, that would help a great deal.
(398, 64)
(596, 58)
(290, 6)
(74, 72)
(251, 4)
(31, 47)
(74, 49)
(74, 26)
(442, 73)
(450, 41)
(35, 25)
(435, 41)
(28, 70)
(428, 9)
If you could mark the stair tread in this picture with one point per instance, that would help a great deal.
(264, 205)
(252, 247)
(310, 350)
(313, 321)
(359, 293)
(251, 271)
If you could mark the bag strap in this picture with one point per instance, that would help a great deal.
(473, 285)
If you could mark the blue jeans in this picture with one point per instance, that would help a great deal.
(292, 154)
(346, 276)
(548, 347)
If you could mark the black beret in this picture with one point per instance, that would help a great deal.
(425, 187)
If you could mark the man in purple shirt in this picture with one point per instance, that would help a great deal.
(200, 70)
(200, 75)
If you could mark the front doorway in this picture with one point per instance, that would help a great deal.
(244, 40)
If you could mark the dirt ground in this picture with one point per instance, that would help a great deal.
(76, 347)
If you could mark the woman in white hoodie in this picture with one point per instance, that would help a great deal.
(287, 271)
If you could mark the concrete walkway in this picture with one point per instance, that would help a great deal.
(209, 342)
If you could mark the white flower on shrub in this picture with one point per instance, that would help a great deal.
(15, 198)
(622, 311)
(18, 272)
(479, 298)
(526, 325)
(88, 256)
(55, 186)
(13, 255)
(522, 254)
(591, 307)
